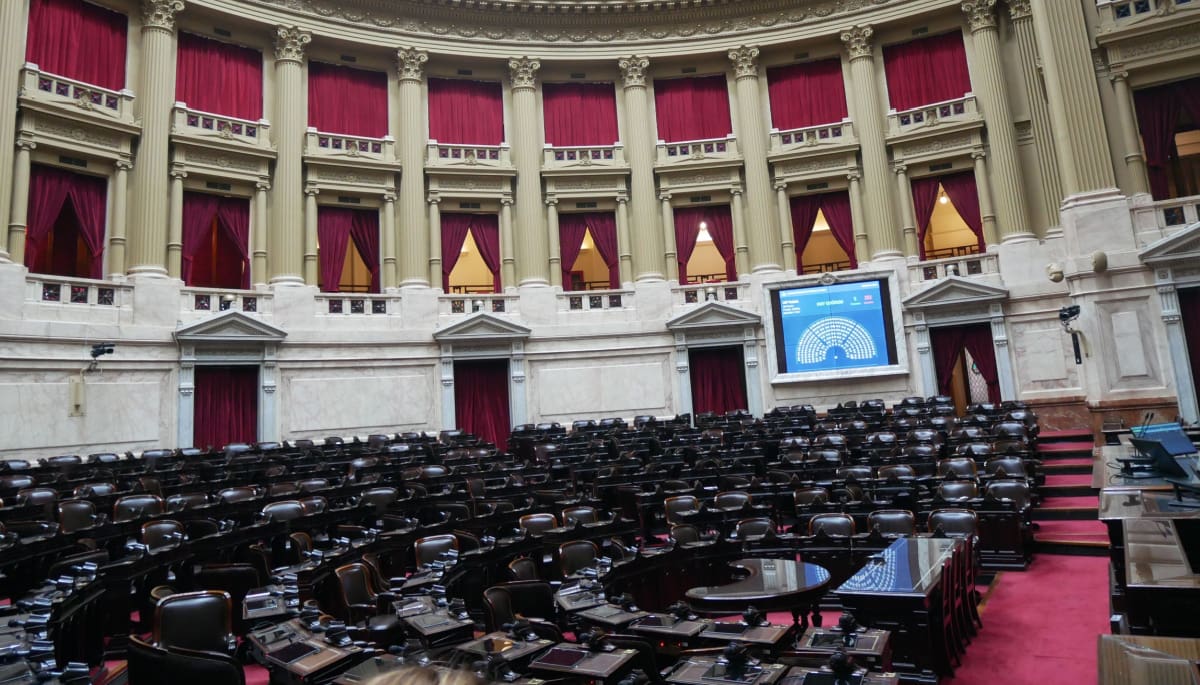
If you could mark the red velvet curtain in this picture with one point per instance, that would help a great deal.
(336, 228)
(226, 405)
(1158, 111)
(232, 215)
(604, 234)
(485, 229)
(948, 342)
(718, 379)
(947, 346)
(836, 208)
(580, 114)
(481, 399)
(349, 101)
(807, 94)
(56, 192)
(964, 194)
(977, 339)
(926, 70)
(924, 193)
(217, 77)
(804, 215)
(720, 227)
(692, 108)
(462, 111)
(571, 229)
(1189, 310)
(78, 40)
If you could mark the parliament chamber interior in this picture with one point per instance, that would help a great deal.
(703, 342)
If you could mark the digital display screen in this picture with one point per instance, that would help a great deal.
(834, 327)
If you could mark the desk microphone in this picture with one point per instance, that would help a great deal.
(1145, 422)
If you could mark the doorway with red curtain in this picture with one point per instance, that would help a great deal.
(481, 399)
(718, 377)
(226, 405)
(952, 345)
(1189, 310)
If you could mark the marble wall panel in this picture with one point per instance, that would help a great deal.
(118, 414)
(354, 401)
(1128, 342)
(602, 387)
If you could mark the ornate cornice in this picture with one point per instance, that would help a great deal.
(522, 71)
(160, 14)
(411, 63)
(633, 70)
(745, 61)
(980, 14)
(290, 42)
(1019, 9)
(857, 40)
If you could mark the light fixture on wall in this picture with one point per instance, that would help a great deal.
(476, 305)
(942, 197)
(703, 236)
(710, 293)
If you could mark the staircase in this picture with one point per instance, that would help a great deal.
(1066, 521)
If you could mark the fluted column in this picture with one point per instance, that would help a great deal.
(175, 224)
(989, 86)
(986, 210)
(869, 125)
(12, 54)
(1083, 158)
(258, 260)
(309, 242)
(414, 235)
(752, 140)
(435, 241)
(671, 251)
(861, 248)
(387, 279)
(552, 235)
(19, 210)
(787, 233)
(533, 253)
(648, 244)
(908, 218)
(1021, 15)
(1134, 160)
(288, 247)
(117, 226)
(741, 256)
(625, 270)
(148, 228)
(507, 255)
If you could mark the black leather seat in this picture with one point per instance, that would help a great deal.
(428, 549)
(132, 507)
(162, 533)
(76, 514)
(499, 610)
(536, 524)
(832, 524)
(187, 500)
(754, 527)
(153, 665)
(523, 568)
(576, 554)
(957, 490)
(366, 608)
(582, 514)
(287, 510)
(195, 620)
(892, 522)
(236, 580)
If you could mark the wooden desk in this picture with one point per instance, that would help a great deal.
(761, 636)
(872, 648)
(665, 626)
(1143, 660)
(591, 665)
(697, 671)
(772, 585)
(798, 675)
(611, 617)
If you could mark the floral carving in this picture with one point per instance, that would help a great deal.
(160, 14)
(290, 42)
(1019, 9)
(523, 71)
(633, 70)
(411, 62)
(745, 61)
(858, 41)
(979, 14)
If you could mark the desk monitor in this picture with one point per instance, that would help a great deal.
(1171, 435)
(1164, 462)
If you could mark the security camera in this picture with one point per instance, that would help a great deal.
(1054, 271)
(101, 349)
(1068, 314)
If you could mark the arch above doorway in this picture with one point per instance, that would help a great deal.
(483, 336)
(714, 325)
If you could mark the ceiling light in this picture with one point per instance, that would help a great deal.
(703, 236)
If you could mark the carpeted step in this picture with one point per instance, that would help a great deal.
(1077, 532)
(1075, 466)
(1061, 448)
(1086, 502)
(1069, 434)
(1065, 480)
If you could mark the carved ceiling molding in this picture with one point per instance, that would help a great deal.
(573, 21)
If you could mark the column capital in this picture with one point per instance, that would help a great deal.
(736, 190)
(290, 42)
(506, 200)
(434, 199)
(900, 168)
(262, 185)
(854, 175)
(978, 154)
(124, 164)
(551, 201)
(633, 71)
(523, 72)
(857, 40)
(1019, 9)
(781, 185)
(389, 198)
(979, 14)
(666, 197)
(1117, 72)
(622, 198)
(24, 143)
(411, 63)
(312, 190)
(178, 173)
(745, 61)
(160, 14)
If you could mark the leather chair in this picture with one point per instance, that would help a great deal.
(367, 608)
(954, 522)
(17, 481)
(152, 665)
(299, 544)
(1005, 467)
(537, 524)
(532, 599)
(237, 494)
(428, 549)
(236, 580)
(499, 611)
(162, 533)
(732, 500)
(523, 568)
(187, 500)
(754, 527)
(150, 485)
(957, 490)
(804, 497)
(132, 507)
(832, 524)
(963, 467)
(892, 522)
(582, 514)
(282, 489)
(575, 555)
(312, 485)
(314, 505)
(201, 527)
(379, 498)
(195, 620)
(99, 489)
(76, 514)
(287, 510)
(897, 472)
(674, 506)
(684, 533)
(855, 472)
(40, 497)
(1016, 491)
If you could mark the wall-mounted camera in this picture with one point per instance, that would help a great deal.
(1065, 316)
(101, 349)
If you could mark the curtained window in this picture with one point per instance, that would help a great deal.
(948, 343)
(352, 102)
(718, 379)
(692, 108)
(338, 229)
(226, 405)
(807, 94)
(931, 197)
(461, 111)
(580, 114)
(835, 209)
(481, 399)
(574, 229)
(216, 241)
(65, 225)
(220, 78)
(484, 230)
(928, 70)
(1163, 112)
(78, 40)
(714, 221)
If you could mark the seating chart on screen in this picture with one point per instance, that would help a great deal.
(834, 337)
(833, 327)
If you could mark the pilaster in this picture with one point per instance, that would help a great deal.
(986, 209)
(147, 237)
(387, 280)
(787, 233)
(175, 224)
(288, 252)
(648, 242)
(552, 234)
(532, 250)
(762, 228)
(1134, 160)
(258, 260)
(1021, 16)
(12, 54)
(413, 232)
(741, 256)
(117, 226)
(625, 268)
(310, 271)
(908, 215)
(671, 251)
(508, 278)
(19, 209)
(861, 247)
(435, 241)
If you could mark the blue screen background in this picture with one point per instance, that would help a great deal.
(833, 327)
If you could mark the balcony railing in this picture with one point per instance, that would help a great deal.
(469, 303)
(839, 133)
(86, 292)
(454, 154)
(965, 108)
(356, 303)
(695, 150)
(1112, 11)
(41, 85)
(1154, 220)
(603, 156)
(595, 300)
(696, 293)
(199, 301)
(825, 267)
(322, 144)
(193, 122)
(966, 265)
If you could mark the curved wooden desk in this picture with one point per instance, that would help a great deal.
(772, 585)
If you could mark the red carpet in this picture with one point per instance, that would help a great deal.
(1071, 531)
(1082, 501)
(256, 675)
(1065, 479)
(1069, 434)
(1081, 446)
(1069, 461)
(1040, 626)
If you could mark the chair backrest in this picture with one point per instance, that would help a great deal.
(855, 472)
(238, 494)
(532, 598)
(683, 533)
(236, 580)
(832, 524)
(355, 582)
(811, 495)
(1012, 467)
(892, 521)
(314, 505)
(576, 554)
(523, 568)
(497, 604)
(186, 500)
(963, 467)
(1015, 490)
(74, 514)
(734, 499)
(954, 522)
(754, 527)
(162, 533)
(155, 666)
(287, 510)
(281, 488)
(897, 471)
(956, 490)
(17, 481)
(100, 489)
(194, 620)
(37, 496)
(380, 498)
(132, 507)
(536, 524)
(582, 514)
(672, 506)
(428, 549)
(312, 484)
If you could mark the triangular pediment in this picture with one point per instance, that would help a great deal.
(230, 327)
(1183, 246)
(482, 327)
(714, 315)
(955, 291)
